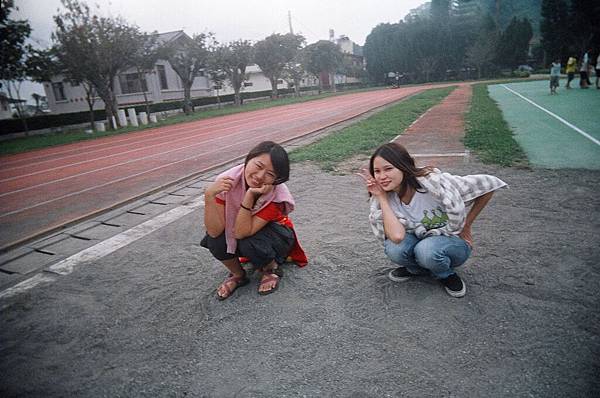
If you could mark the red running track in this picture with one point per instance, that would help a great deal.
(43, 190)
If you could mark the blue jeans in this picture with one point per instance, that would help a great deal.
(436, 254)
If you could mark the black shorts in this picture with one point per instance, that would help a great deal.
(272, 243)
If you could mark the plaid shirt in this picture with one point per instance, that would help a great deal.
(455, 193)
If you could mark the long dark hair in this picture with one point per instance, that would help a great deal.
(279, 159)
(399, 157)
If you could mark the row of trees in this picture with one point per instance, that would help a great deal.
(93, 50)
(434, 46)
(569, 28)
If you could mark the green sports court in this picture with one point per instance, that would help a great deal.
(556, 131)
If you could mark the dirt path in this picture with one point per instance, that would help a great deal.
(436, 137)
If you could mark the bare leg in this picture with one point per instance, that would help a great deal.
(234, 266)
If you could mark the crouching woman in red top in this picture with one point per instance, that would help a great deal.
(246, 215)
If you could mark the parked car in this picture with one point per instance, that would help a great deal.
(525, 68)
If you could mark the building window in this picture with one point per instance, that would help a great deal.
(59, 91)
(201, 73)
(162, 77)
(279, 81)
(248, 84)
(132, 83)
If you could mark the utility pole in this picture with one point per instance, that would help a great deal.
(290, 21)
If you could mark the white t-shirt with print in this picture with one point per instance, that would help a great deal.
(423, 209)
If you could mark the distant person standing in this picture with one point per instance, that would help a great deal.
(583, 75)
(586, 62)
(598, 72)
(584, 69)
(570, 70)
(554, 76)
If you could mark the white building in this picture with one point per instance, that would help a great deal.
(353, 59)
(8, 106)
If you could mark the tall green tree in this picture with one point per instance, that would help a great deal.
(514, 43)
(323, 57)
(383, 51)
(273, 53)
(440, 10)
(13, 54)
(95, 49)
(231, 60)
(44, 65)
(144, 60)
(585, 24)
(555, 30)
(293, 72)
(188, 58)
(482, 53)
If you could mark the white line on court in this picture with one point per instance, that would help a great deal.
(580, 131)
(104, 248)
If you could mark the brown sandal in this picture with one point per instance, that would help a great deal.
(231, 284)
(269, 276)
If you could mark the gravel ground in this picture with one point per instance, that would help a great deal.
(144, 321)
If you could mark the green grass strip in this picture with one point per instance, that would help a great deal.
(364, 136)
(24, 144)
(488, 134)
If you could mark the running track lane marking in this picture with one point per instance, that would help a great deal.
(104, 248)
(580, 131)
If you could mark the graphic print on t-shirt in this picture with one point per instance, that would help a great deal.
(423, 209)
(437, 219)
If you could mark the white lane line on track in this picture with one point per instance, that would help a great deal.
(180, 131)
(221, 127)
(267, 135)
(115, 181)
(204, 125)
(299, 117)
(577, 129)
(104, 248)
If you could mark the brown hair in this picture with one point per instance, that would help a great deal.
(399, 157)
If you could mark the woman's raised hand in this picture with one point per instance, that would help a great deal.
(222, 184)
(372, 186)
(266, 188)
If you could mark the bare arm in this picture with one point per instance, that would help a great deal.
(478, 204)
(245, 223)
(394, 230)
(214, 213)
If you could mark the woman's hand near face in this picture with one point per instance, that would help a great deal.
(372, 186)
(222, 184)
(266, 188)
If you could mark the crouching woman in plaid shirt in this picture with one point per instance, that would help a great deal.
(424, 216)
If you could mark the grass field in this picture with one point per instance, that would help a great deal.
(363, 137)
(487, 135)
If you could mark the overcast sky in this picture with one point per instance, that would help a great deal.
(232, 19)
